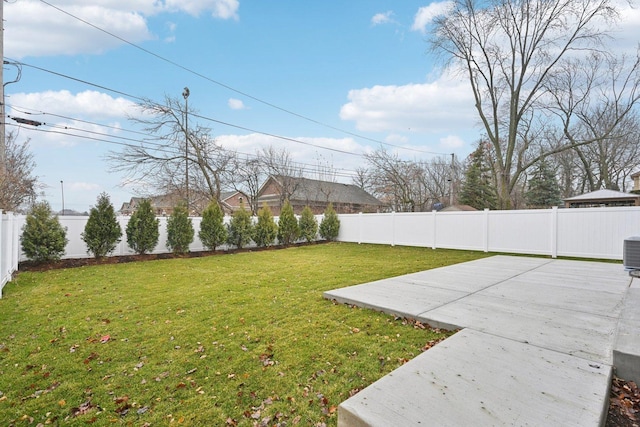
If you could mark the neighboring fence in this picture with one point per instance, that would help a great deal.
(583, 233)
(9, 247)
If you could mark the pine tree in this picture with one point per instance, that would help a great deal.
(330, 224)
(477, 190)
(266, 229)
(308, 225)
(102, 232)
(240, 228)
(288, 230)
(212, 232)
(43, 238)
(142, 229)
(543, 190)
(180, 231)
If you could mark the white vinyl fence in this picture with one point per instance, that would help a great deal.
(9, 246)
(583, 233)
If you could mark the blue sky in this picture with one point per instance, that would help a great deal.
(362, 66)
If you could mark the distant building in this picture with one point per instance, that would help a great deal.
(162, 205)
(301, 192)
(636, 182)
(232, 200)
(603, 198)
(459, 208)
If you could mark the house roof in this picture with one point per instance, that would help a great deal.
(636, 174)
(603, 195)
(309, 190)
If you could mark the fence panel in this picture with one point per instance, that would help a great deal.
(460, 230)
(9, 243)
(524, 231)
(414, 229)
(596, 232)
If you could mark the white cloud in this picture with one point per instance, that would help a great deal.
(65, 114)
(382, 18)
(33, 28)
(236, 104)
(426, 14)
(83, 186)
(86, 104)
(451, 142)
(437, 106)
(223, 9)
(396, 139)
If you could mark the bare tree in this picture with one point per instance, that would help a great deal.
(247, 176)
(279, 164)
(162, 160)
(595, 100)
(510, 50)
(407, 186)
(18, 185)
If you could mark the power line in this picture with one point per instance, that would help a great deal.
(100, 137)
(245, 94)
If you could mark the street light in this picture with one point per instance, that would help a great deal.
(185, 95)
(62, 187)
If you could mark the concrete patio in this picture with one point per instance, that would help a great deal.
(538, 344)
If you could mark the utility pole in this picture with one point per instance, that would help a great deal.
(185, 94)
(3, 115)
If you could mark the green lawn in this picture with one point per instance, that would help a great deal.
(243, 339)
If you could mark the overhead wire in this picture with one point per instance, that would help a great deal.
(228, 87)
(100, 137)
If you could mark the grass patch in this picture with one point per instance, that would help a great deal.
(243, 339)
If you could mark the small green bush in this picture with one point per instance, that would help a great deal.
(266, 230)
(180, 231)
(43, 238)
(142, 229)
(212, 232)
(240, 228)
(308, 225)
(102, 232)
(288, 230)
(330, 224)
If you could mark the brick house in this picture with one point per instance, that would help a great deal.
(232, 200)
(301, 192)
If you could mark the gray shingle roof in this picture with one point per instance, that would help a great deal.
(602, 195)
(322, 191)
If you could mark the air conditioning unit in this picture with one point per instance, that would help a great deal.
(631, 253)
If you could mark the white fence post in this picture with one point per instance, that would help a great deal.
(393, 228)
(485, 230)
(554, 232)
(360, 219)
(435, 229)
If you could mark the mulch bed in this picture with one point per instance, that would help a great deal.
(624, 404)
(624, 398)
(83, 262)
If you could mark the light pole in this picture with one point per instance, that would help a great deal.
(62, 188)
(185, 95)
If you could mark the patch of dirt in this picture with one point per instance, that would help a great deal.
(82, 262)
(624, 404)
